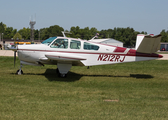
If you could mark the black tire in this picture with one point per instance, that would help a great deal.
(18, 72)
(63, 75)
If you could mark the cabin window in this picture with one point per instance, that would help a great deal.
(60, 43)
(89, 46)
(75, 44)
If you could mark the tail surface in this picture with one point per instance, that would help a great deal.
(147, 43)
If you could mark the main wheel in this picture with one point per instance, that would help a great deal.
(63, 75)
(19, 72)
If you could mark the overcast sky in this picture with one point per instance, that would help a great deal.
(142, 15)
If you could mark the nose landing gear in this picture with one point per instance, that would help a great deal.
(20, 72)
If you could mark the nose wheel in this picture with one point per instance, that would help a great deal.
(20, 72)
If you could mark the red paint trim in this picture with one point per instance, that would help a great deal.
(120, 49)
(141, 35)
(132, 52)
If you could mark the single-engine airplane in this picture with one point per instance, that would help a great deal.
(67, 52)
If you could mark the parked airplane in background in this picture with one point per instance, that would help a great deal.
(67, 52)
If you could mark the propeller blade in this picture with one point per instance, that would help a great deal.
(14, 48)
(14, 57)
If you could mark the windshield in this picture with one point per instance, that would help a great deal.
(49, 40)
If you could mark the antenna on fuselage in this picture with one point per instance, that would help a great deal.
(63, 32)
(96, 36)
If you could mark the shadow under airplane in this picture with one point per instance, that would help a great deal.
(51, 75)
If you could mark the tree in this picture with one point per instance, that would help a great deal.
(17, 36)
(55, 31)
(2, 27)
(50, 32)
(93, 32)
(164, 36)
(85, 33)
(43, 34)
(36, 34)
(14, 31)
(8, 34)
(125, 35)
(75, 32)
(25, 33)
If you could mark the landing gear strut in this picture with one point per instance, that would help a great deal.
(20, 72)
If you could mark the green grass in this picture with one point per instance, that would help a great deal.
(131, 91)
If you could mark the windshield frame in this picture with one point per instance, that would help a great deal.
(49, 41)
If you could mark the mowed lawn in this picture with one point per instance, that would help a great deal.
(128, 91)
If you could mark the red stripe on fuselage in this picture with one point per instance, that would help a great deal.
(132, 52)
(120, 49)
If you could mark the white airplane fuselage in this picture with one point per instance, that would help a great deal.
(76, 52)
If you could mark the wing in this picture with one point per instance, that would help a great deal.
(65, 57)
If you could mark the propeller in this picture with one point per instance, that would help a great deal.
(14, 57)
(15, 50)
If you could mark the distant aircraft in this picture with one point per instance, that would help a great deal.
(67, 52)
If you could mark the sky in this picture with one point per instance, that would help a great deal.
(150, 16)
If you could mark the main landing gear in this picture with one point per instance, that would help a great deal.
(63, 68)
(60, 74)
(20, 72)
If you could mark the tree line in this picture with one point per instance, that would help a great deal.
(125, 35)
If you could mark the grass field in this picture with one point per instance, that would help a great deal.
(129, 91)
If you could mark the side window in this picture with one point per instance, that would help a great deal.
(89, 46)
(60, 43)
(75, 44)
